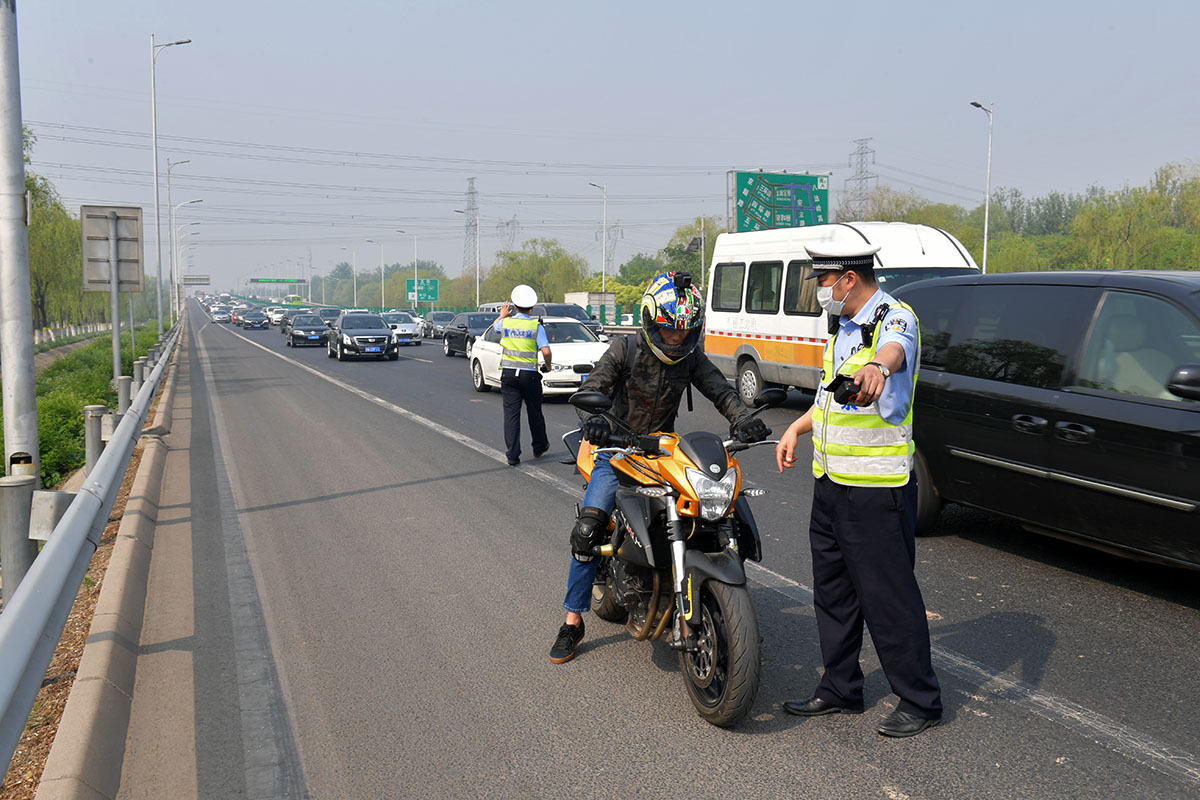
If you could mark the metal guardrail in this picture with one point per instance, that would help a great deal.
(33, 620)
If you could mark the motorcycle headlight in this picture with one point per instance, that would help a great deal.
(715, 495)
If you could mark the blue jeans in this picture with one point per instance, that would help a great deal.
(601, 493)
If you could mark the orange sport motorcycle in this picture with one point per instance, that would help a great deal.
(681, 531)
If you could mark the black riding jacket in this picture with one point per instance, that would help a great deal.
(649, 399)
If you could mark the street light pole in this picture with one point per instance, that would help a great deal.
(987, 200)
(170, 165)
(382, 298)
(603, 236)
(154, 50)
(171, 230)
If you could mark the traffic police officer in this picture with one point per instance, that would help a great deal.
(864, 499)
(521, 338)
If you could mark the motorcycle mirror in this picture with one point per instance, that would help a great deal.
(770, 397)
(590, 401)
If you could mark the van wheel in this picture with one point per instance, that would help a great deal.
(929, 505)
(749, 381)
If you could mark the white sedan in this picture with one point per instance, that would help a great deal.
(571, 343)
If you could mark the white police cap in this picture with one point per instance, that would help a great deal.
(523, 296)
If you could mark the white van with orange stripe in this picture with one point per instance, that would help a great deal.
(763, 326)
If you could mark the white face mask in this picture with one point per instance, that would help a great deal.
(825, 299)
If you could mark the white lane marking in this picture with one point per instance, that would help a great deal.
(1133, 744)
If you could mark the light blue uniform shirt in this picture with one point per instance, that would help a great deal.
(898, 325)
(542, 341)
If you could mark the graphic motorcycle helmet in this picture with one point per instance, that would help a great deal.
(671, 301)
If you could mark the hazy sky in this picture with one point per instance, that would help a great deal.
(322, 125)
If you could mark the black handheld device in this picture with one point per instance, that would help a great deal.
(843, 389)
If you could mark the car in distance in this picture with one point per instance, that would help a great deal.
(434, 324)
(571, 343)
(220, 314)
(254, 319)
(328, 315)
(1066, 400)
(462, 331)
(365, 334)
(406, 329)
(566, 310)
(306, 329)
(286, 321)
(276, 314)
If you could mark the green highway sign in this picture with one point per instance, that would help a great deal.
(765, 200)
(291, 281)
(426, 290)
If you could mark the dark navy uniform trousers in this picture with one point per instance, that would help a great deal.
(863, 552)
(517, 386)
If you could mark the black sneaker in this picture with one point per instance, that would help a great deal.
(564, 646)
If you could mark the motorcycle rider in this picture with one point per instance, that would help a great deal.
(646, 386)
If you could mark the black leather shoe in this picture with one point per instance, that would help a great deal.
(902, 723)
(512, 462)
(540, 453)
(816, 707)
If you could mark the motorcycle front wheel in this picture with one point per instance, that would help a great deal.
(722, 675)
(604, 603)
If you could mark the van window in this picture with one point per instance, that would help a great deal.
(1022, 334)
(935, 307)
(727, 287)
(1135, 345)
(762, 288)
(800, 295)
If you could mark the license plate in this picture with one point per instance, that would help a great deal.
(371, 350)
(583, 377)
(404, 341)
(313, 338)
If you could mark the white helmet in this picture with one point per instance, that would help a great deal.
(523, 296)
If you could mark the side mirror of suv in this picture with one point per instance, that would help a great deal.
(1185, 381)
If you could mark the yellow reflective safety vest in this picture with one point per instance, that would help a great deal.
(518, 339)
(854, 445)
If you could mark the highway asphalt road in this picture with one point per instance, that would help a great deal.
(411, 582)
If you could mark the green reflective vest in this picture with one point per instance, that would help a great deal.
(853, 445)
(518, 339)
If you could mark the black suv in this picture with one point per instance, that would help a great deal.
(1069, 401)
(361, 335)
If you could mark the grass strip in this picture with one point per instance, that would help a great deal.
(82, 377)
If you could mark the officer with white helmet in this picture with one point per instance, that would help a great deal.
(865, 498)
(522, 338)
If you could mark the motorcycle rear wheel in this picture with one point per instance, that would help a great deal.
(722, 676)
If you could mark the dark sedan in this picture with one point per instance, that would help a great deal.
(306, 329)
(462, 331)
(285, 322)
(253, 319)
(329, 315)
(435, 322)
(361, 335)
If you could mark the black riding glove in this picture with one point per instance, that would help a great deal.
(597, 431)
(750, 430)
